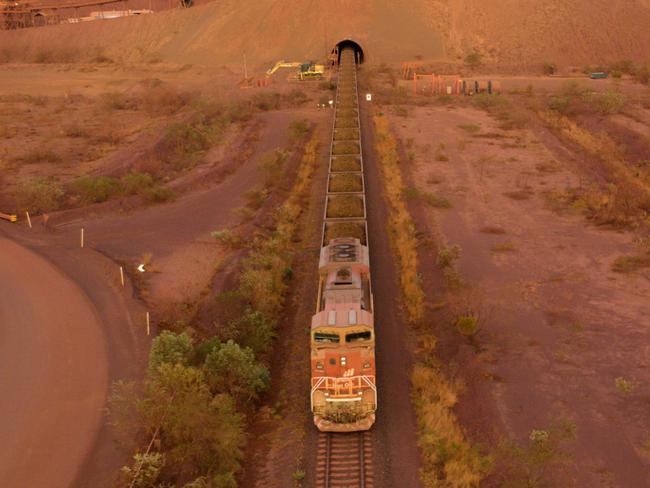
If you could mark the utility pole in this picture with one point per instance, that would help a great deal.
(245, 68)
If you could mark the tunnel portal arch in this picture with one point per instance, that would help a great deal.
(347, 43)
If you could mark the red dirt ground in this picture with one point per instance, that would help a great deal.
(562, 325)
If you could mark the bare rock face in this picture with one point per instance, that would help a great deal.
(507, 32)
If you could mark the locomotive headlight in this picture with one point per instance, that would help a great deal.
(319, 365)
(366, 365)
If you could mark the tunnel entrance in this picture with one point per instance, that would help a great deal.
(347, 43)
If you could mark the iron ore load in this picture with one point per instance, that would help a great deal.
(343, 385)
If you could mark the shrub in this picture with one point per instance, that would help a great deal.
(549, 68)
(625, 66)
(95, 189)
(40, 195)
(182, 142)
(470, 128)
(466, 325)
(145, 470)
(473, 60)
(159, 194)
(624, 386)
(117, 101)
(267, 101)
(296, 97)
(273, 166)
(227, 238)
(642, 73)
(39, 155)
(256, 198)
(170, 348)
(136, 183)
(233, 370)
(252, 330)
(629, 264)
(56, 55)
(559, 104)
(298, 129)
(75, 131)
(447, 257)
(435, 200)
(159, 100)
(532, 464)
(610, 102)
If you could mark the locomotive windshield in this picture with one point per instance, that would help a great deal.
(358, 336)
(325, 337)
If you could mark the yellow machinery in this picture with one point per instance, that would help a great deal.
(306, 71)
(281, 64)
(10, 218)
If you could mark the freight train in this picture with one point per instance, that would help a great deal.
(343, 380)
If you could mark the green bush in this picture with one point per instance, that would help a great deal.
(40, 195)
(233, 370)
(252, 330)
(170, 348)
(95, 189)
(559, 104)
(227, 238)
(182, 142)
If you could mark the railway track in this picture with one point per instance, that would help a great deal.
(344, 460)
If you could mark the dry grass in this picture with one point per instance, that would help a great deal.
(493, 229)
(518, 194)
(345, 183)
(346, 163)
(626, 200)
(402, 231)
(630, 264)
(448, 459)
(504, 247)
(38, 155)
(345, 206)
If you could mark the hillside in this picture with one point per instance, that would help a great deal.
(507, 32)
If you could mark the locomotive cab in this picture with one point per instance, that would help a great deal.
(344, 395)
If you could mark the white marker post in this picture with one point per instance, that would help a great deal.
(368, 97)
(148, 325)
(29, 221)
(122, 276)
(82, 237)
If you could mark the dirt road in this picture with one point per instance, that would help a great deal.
(53, 372)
